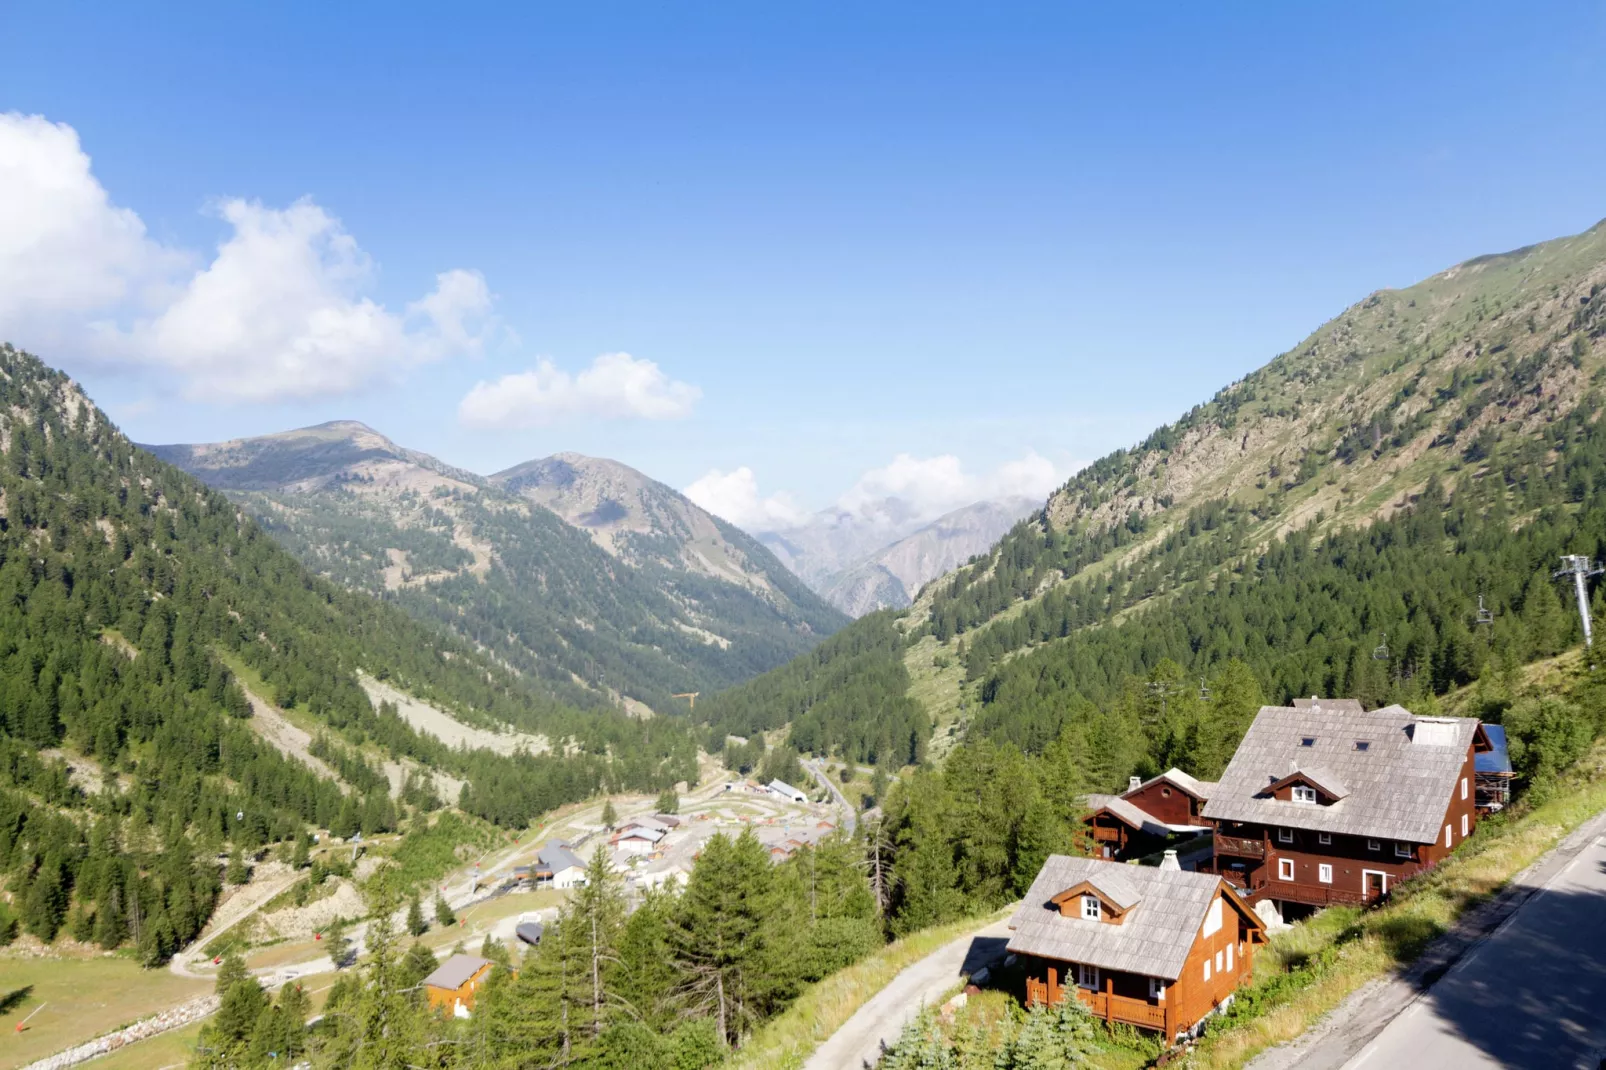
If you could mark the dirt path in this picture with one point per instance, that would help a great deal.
(271, 724)
(239, 908)
(877, 1025)
(446, 728)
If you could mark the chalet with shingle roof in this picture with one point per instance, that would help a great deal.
(1155, 947)
(455, 982)
(1150, 812)
(1325, 802)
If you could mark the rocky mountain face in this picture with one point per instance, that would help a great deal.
(1482, 381)
(862, 562)
(527, 563)
(892, 576)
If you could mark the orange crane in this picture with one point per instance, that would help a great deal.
(690, 697)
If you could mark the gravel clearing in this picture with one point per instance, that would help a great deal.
(448, 729)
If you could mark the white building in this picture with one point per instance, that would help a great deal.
(559, 865)
(781, 789)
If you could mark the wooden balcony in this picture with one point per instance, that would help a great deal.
(1113, 1008)
(1316, 895)
(1240, 847)
(1106, 1005)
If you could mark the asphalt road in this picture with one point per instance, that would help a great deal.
(849, 818)
(1533, 994)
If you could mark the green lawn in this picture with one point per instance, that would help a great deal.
(81, 998)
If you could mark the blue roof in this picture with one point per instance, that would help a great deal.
(1498, 759)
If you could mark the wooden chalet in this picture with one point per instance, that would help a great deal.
(454, 984)
(1493, 773)
(1325, 802)
(1145, 817)
(1155, 947)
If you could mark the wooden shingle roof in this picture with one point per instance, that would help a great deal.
(1398, 784)
(1167, 912)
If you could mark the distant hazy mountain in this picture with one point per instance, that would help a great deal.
(528, 563)
(862, 563)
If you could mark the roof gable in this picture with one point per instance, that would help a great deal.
(1153, 939)
(1324, 780)
(1396, 770)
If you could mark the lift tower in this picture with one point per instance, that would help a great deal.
(1580, 568)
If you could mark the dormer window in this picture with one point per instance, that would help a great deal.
(1307, 741)
(1363, 744)
(1304, 794)
(1091, 910)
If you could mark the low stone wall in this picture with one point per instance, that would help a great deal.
(176, 1018)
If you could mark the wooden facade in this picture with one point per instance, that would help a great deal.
(1168, 802)
(1290, 864)
(1145, 818)
(1217, 963)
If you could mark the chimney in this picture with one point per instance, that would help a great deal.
(1170, 860)
(1133, 783)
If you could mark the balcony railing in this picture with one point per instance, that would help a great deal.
(1113, 1008)
(1316, 895)
(1237, 845)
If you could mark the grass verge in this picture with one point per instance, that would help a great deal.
(789, 1038)
(1307, 971)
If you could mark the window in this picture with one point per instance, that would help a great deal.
(1464, 832)
(1213, 918)
(1403, 850)
(1285, 835)
(1207, 970)
(1285, 869)
(1157, 989)
(1218, 962)
(1324, 873)
(1463, 787)
(1363, 744)
(1166, 792)
(1447, 837)
(1324, 838)
(1229, 958)
(1303, 794)
(1373, 845)
(1087, 976)
(1090, 907)
(1308, 741)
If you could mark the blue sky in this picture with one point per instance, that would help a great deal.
(827, 236)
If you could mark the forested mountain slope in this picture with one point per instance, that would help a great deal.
(1426, 447)
(510, 575)
(127, 590)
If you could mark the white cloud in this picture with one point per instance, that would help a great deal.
(616, 386)
(896, 498)
(64, 247)
(281, 311)
(916, 488)
(734, 496)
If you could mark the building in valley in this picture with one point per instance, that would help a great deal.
(1154, 947)
(558, 866)
(455, 982)
(1147, 815)
(1325, 802)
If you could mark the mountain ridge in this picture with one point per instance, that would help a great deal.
(488, 559)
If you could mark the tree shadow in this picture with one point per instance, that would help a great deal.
(1530, 994)
(15, 998)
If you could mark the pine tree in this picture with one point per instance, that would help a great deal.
(416, 925)
(719, 929)
(645, 977)
(417, 964)
(596, 915)
(669, 802)
(610, 816)
(443, 912)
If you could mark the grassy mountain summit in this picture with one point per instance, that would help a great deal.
(526, 566)
(1357, 494)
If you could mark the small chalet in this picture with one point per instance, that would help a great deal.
(453, 985)
(1154, 947)
(1325, 802)
(1142, 819)
(558, 866)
